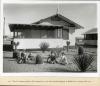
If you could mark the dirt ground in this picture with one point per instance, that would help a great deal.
(10, 64)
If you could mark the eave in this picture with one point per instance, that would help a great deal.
(32, 26)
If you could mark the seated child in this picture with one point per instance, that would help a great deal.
(30, 56)
(63, 59)
(52, 58)
(21, 58)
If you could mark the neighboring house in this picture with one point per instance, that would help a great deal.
(79, 41)
(55, 30)
(91, 37)
(7, 43)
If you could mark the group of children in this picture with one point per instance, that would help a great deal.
(53, 58)
(23, 57)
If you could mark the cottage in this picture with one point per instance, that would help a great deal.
(55, 30)
(90, 37)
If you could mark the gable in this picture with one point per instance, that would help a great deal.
(59, 20)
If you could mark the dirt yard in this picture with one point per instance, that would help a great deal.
(10, 64)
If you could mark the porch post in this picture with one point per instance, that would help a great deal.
(56, 33)
(84, 36)
(17, 34)
(61, 32)
(14, 34)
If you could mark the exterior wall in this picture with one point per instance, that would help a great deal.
(35, 43)
(72, 36)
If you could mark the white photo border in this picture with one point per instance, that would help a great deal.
(49, 73)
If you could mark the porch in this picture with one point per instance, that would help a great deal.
(37, 31)
(30, 36)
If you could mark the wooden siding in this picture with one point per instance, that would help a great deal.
(90, 42)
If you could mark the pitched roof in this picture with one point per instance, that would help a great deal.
(92, 31)
(62, 18)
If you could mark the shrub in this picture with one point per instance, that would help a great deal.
(80, 50)
(83, 61)
(39, 59)
(44, 46)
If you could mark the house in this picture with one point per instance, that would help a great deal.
(79, 41)
(91, 37)
(55, 30)
(7, 43)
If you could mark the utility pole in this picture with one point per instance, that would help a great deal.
(4, 27)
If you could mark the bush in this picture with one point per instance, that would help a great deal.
(39, 59)
(83, 61)
(80, 50)
(44, 46)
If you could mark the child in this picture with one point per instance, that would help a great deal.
(22, 58)
(30, 56)
(63, 59)
(52, 58)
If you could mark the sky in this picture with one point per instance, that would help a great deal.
(82, 13)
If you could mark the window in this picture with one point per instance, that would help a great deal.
(50, 34)
(91, 37)
(65, 34)
(43, 34)
(59, 33)
(38, 33)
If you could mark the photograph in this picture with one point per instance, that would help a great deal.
(54, 38)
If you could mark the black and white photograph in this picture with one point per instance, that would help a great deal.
(55, 37)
